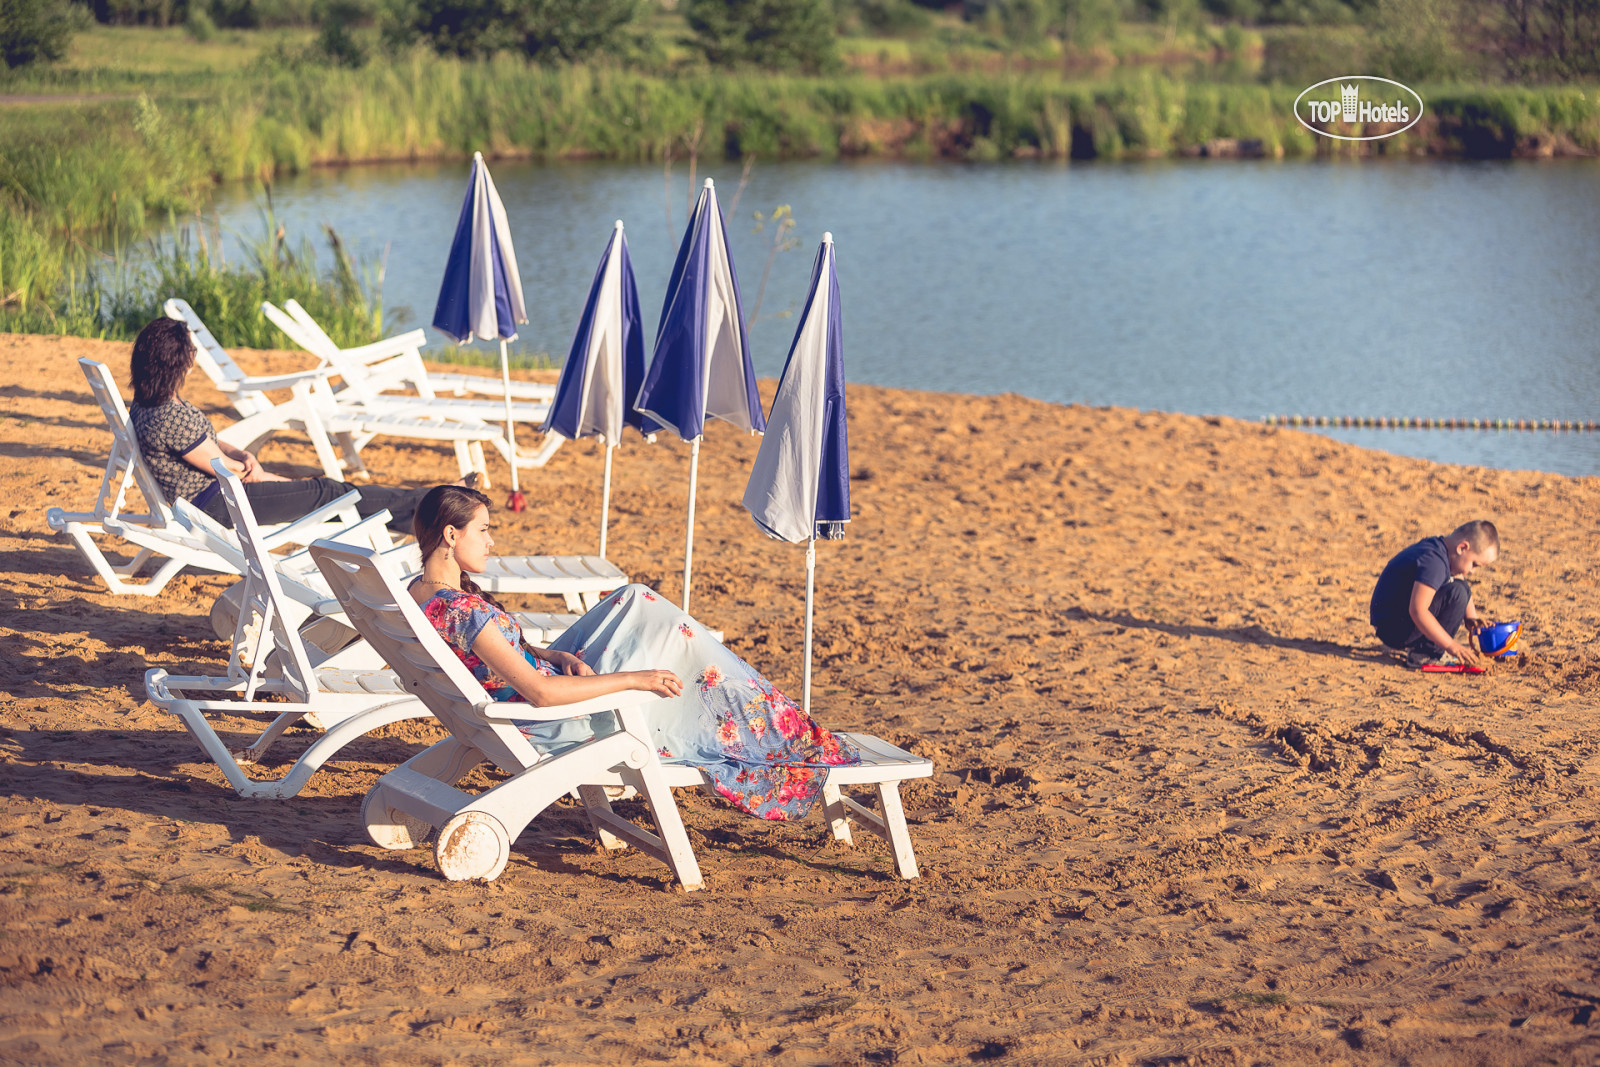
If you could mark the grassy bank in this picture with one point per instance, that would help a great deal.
(77, 176)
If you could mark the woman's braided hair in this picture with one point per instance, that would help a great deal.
(448, 505)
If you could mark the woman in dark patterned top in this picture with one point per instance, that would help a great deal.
(178, 445)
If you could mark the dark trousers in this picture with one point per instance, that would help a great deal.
(1449, 606)
(275, 502)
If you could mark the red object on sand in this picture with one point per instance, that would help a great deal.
(517, 502)
(1451, 668)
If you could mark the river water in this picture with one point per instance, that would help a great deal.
(1232, 288)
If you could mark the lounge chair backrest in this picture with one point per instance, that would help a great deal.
(125, 464)
(307, 325)
(397, 364)
(215, 361)
(320, 345)
(263, 600)
(384, 613)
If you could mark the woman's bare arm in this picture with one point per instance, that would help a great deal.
(543, 690)
(201, 455)
(240, 462)
(565, 662)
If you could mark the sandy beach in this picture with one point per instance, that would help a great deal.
(1186, 808)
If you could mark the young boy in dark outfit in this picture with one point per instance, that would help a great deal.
(1421, 599)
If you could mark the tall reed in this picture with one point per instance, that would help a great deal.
(229, 296)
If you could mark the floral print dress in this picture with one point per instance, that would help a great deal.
(759, 750)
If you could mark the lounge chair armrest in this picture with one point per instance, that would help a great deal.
(364, 531)
(398, 345)
(194, 519)
(507, 711)
(270, 381)
(287, 534)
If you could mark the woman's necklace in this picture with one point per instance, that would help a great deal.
(435, 581)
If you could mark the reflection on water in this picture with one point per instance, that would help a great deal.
(1424, 289)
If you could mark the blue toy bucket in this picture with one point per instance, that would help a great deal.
(1500, 639)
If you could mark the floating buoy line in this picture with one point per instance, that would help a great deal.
(1382, 422)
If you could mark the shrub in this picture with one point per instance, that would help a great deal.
(334, 41)
(470, 29)
(137, 12)
(198, 24)
(573, 29)
(34, 31)
(774, 34)
(892, 18)
(1420, 40)
(542, 29)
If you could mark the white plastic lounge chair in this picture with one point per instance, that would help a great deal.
(269, 657)
(158, 533)
(476, 832)
(426, 382)
(309, 608)
(370, 372)
(402, 367)
(316, 411)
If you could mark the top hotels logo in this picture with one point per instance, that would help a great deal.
(1381, 107)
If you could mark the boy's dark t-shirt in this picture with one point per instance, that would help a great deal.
(1428, 562)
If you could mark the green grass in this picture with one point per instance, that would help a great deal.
(133, 50)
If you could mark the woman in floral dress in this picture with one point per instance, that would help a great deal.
(763, 753)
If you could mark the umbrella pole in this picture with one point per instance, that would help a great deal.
(811, 578)
(605, 499)
(511, 436)
(688, 541)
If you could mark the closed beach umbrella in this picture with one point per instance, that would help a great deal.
(481, 294)
(605, 367)
(800, 484)
(701, 366)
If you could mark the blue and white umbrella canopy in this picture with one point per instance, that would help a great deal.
(701, 368)
(605, 367)
(481, 294)
(799, 486)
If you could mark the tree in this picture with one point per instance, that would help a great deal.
(1421, 40)
(774, 34)
(34, 31)
(543, 29)
(471, 29)
(1547, 39)
(573, 29)
(335, 42)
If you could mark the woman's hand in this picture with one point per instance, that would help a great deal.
(252, 466)
(661, 683)
(567, 663)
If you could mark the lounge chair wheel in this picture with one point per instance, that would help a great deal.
(389, 828)
(472, 845)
